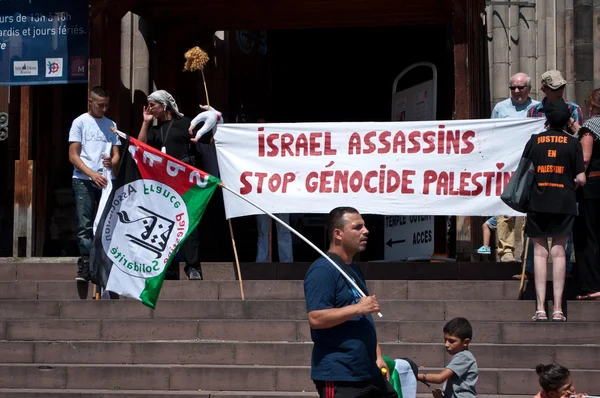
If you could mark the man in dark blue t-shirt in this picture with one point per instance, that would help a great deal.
(346, 359)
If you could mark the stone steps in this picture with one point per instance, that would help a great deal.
(527, 332)
(271, 290)
(45, 269)
(233, 377)
(57, 393)
(393, 310)
(202, 352)
(203, 340)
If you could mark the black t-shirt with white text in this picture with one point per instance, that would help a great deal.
(176, 138)
(558, 158)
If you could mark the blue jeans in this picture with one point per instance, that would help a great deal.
(284, 239)
(568, 251)
(87, 194)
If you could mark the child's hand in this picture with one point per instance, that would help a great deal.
(437, 393)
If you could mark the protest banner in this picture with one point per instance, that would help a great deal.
(455, 167)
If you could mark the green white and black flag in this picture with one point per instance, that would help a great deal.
(155, 203)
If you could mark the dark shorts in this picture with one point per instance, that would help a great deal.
(549, 225)
(378, 387)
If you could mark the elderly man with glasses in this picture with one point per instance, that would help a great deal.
(519, 101)
(513, 107)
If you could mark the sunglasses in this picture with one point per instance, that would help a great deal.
(513, 88)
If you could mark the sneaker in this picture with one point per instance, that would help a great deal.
(507, 258)
(484, 250)
(83, 269)
(194, 275)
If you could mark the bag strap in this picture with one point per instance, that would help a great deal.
(359, 281)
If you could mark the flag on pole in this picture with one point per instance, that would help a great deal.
(403, 376)
(155, 203)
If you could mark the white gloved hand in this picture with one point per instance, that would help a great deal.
(211, 117)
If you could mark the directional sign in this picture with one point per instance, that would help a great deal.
(43, 42)
(408, 237)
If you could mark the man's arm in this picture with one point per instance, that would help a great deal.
(577, 115)
(115, 158)
(587, 144)
(381, 362)
(573, 125)
(330, 317)
(75, 159)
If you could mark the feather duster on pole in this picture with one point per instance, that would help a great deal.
(195, 60)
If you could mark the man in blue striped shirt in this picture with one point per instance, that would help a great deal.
(553, 85)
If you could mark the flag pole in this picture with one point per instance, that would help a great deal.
(237, 261)
(292, 230)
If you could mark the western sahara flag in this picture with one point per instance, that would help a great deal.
(155, 203)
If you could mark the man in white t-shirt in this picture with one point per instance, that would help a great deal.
(92, 149)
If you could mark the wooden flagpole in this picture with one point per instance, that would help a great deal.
(522, 284)
(237, 261)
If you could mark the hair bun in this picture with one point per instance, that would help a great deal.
(540, 368)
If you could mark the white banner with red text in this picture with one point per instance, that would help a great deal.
(457, 167)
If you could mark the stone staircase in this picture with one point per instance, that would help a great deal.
(204, 341)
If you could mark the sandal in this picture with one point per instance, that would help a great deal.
(558, 316)
(540, 316)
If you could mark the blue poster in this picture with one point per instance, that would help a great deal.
(43, 42)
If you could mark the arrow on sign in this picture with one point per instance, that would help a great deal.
(393, 242)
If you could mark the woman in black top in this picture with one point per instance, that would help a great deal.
(587, 224)
(558, 160)
(172, 137)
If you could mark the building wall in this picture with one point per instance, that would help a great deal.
(541, 35)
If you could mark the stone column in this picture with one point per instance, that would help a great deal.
(570, 50)
(550, 35)
(527, 45)
(500, 43)
(513, 43)
(135, 68)
(540, 63)
(584, 49)
(560, 36)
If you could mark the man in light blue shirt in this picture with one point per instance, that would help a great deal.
(519, 101)
(513, 107)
